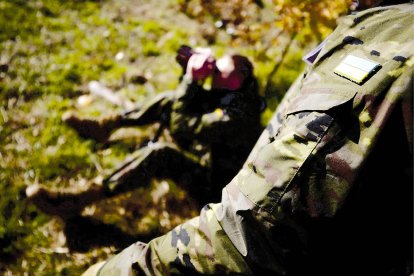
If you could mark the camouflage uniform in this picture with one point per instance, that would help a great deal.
(327, 189)
(202, 124)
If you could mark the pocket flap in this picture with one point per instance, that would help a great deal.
(318, 100)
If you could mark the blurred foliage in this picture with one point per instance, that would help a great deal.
(51, 49)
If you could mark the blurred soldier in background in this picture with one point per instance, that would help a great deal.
(211, 133)
(328, 189)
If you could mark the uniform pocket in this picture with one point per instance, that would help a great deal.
(265, 180)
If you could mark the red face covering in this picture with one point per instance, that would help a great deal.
(231, 71)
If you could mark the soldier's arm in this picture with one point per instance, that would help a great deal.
(197, 246)
(149, 112)
(185, 113)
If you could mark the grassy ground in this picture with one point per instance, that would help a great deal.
(50, 50)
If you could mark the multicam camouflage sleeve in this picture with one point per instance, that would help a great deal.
(317, 195)
(186, 109)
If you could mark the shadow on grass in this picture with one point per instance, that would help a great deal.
(84, 233)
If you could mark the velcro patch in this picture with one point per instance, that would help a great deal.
(356, 69)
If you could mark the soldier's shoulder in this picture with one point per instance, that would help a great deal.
(381, 12)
